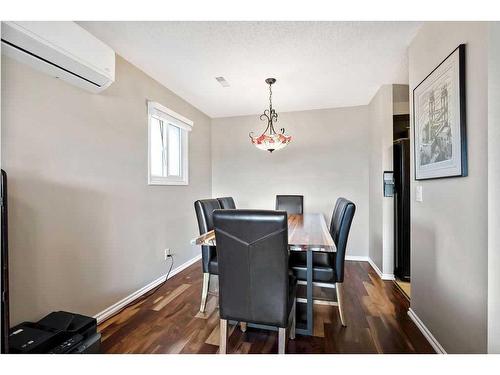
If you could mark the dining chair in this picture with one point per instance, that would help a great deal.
(292, 204)
(204, 213)
(255, 285)
(328, 268)
(226, 203)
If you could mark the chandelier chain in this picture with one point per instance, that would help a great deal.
(270, 98)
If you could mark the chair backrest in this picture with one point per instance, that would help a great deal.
(292, 204)
(340, 225)
(204, 213)
(252, 247)
(226, 203)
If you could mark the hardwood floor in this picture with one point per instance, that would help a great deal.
(405, 287)
(169, 322)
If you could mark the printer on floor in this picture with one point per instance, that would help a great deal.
(59, 332)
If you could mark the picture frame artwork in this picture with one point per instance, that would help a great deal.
(439, 126)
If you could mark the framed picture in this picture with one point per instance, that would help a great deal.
(440, 140)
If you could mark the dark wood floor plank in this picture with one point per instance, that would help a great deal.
(168, 321)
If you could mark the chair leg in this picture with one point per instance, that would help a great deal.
(223, 336)
(243, 326)
(204, 291)
(340, 299)
(281, 340)
(294, 320)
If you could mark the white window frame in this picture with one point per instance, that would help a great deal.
(170, 117)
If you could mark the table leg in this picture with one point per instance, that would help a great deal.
(309, 264)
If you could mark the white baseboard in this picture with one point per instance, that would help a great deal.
(356, 258)
(383, 276)
(425, 331)
(113, 309)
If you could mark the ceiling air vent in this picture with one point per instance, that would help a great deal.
(222, 81)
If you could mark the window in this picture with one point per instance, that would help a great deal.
(168, 146)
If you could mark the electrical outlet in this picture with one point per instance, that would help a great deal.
(167, 253)
(418, 194)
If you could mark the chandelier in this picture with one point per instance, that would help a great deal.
(270, 140)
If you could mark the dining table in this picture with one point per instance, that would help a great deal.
(309, 233)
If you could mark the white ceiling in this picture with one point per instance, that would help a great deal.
(316, 64)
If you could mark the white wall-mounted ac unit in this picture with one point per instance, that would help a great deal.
(61, 49)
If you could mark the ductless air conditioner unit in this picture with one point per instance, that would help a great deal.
(61, 49)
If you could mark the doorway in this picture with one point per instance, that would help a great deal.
(401, 155)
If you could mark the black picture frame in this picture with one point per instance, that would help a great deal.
(462, 110)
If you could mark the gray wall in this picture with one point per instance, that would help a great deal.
(449, 228)
(381, 229)
(400, 99)
(85, 228)
(493, 189)
(327, 158)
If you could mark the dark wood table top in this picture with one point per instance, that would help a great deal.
(305, 232)
(309, 232)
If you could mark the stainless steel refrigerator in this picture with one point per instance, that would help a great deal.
(401, 151)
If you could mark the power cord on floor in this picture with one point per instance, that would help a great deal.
(150, 293)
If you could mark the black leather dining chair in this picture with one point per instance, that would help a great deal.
(226, 203)
(204, 213)
(255, 285)
(292, 204)
(328, 268)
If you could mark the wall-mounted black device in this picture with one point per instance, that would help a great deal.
(388, 184)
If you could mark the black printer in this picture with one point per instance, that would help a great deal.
(59, 332)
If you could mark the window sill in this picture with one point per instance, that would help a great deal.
(166, 183)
